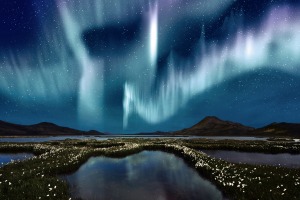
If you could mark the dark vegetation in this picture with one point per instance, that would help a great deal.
(37, 177)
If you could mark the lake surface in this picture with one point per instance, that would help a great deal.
(8, 157)
(58, 138)
(231, 138)
(282, 159)
(47, 139)
(145, 176)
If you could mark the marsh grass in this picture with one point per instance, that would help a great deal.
(37, 177)
(245, 146)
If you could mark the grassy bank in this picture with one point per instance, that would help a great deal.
(246, 146)
(37, 178)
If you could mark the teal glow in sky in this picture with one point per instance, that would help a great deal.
(140, 66)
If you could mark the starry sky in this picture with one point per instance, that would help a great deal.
(149, 65)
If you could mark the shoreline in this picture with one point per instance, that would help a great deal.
(236, 181)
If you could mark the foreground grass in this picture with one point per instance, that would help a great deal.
(37, 178)
(246, 146)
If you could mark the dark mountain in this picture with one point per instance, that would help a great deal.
(154, 133)
(213, 126)
(209, 126)
(280, 129)
(44, 128)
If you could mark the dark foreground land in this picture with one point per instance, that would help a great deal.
(38, 177)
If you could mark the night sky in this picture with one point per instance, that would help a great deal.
(147, 65)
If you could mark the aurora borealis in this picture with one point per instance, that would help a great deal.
(146, 65)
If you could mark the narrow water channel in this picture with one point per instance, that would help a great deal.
(9, 157)
(282, 159)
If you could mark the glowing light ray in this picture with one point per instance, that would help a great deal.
(91, 87)
(251, 51)
(153, 34)
(33, 76)
(48, 73)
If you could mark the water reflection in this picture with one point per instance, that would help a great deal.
(282, 159)
(58, 138)
(147, 175)
(7, 157)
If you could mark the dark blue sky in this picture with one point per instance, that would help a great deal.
(140, 66)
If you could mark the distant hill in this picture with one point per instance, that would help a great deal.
(280, 129)
(209, 126)
(213, 126)
(44, 128)
(160, 133)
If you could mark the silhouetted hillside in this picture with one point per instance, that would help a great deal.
(43, 128)
(280, 129)
(213, 126)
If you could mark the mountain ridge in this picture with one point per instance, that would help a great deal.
(281, 128)
(40, 129)
(213, 126)
(208, 126)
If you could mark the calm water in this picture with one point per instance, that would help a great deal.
(46, 139)
(282, 159)
(231, 138)
(51, 138)
(144, 176)
(7, 157)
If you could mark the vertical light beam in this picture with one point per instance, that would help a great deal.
(273, 45)
(91, 87)
(153, 32)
